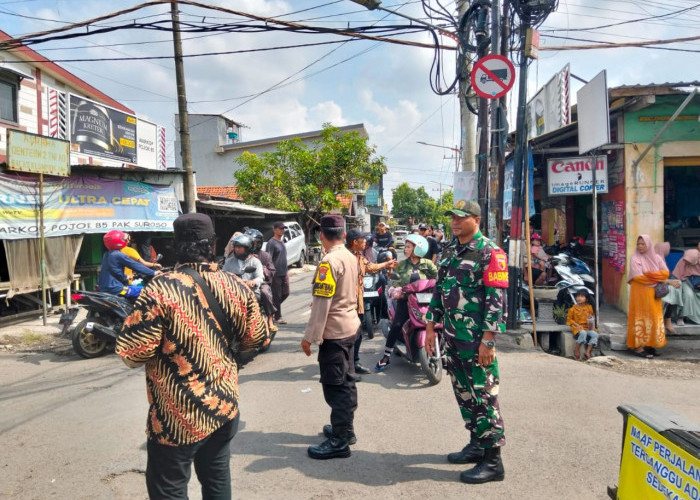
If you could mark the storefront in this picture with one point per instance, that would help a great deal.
(654, 194)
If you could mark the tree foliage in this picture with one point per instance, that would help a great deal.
(417, 205)
(297, 177)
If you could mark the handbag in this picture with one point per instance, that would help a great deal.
(661, 290)
(240, 357)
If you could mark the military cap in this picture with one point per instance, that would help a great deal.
(463, 208)
(330, 221)
(193, 227)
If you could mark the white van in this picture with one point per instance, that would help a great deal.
(400, 237)
(295, 243)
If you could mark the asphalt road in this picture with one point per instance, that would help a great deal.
(73, 428)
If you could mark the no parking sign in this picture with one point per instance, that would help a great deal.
(493, 76)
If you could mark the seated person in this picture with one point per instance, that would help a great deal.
(673, 301)
(541, 268)
(130, 251)
(112, 278)
(243, 258)
(688, 272)
(582, 322)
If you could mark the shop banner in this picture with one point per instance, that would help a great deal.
(549, 110)
(147, 150)
(80, 205)
(101, 131)
(567, 176)
(508, 186)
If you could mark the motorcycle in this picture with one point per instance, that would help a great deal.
(575, 275)
(97, 333)
(418, 294)
(249, 270)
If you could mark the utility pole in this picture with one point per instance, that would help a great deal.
(482, 169)
(467, 118)
(185, 150)
(502, 113)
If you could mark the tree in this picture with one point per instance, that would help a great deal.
(295, 177)
(409, 203)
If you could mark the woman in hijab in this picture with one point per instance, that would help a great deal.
(645, 316)
(673, 302)
(688, 271)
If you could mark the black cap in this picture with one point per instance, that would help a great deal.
(193, 227)
(331, 221)
(278, 225)
(422, 225)
(354, 234)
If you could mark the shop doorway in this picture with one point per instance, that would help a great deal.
(682, 206)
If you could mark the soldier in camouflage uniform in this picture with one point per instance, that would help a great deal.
(469, 299)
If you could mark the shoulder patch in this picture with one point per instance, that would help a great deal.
(324, 283)
(496, 275)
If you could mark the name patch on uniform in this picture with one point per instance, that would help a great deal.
(496, 275)
(324, 284)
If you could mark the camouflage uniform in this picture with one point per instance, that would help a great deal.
(468, 306)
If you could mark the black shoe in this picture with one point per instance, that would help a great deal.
(361, 369)
(489, 469)
(333, 447)
(470, 454)
(328, 432)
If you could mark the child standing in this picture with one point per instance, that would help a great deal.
(582, 322)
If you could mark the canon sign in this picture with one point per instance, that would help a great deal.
(574, 176)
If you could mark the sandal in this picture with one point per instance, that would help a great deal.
(382, 364)
(642, 354)
(651, 350)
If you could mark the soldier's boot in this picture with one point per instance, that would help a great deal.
(328, 432)
(336, 446)
(489, 469)
(470, 454)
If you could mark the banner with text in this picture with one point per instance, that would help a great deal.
(102, 131)
(567, 176)
(79, 205)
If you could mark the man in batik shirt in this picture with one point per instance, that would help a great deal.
(191, 375)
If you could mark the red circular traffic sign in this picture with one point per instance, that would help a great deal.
(493, 76)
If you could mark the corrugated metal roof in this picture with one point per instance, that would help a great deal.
(694, 83)
(235, 206)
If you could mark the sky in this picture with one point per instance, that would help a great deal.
(384, 86)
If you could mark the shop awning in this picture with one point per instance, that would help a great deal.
(233, 207)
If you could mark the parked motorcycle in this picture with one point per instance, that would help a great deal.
(374, 286)
(418, 294)
(575, 275)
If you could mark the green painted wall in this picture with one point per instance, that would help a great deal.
(685, 128)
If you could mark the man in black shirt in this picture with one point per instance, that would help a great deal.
(426, 230)
(383, 238)
(280, 281)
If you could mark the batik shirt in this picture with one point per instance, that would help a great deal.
(191, 378)
(469, 298)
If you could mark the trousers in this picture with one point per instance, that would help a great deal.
(168, 468)
(476, 390)
(280, 292)
(336, 363)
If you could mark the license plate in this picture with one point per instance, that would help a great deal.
(371, 294)
(424, 298)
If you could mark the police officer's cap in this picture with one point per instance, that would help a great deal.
(193, 227)
(463, 208)
(331, 221)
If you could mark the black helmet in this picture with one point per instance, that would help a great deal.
(257, 237)
(243, 241)
(384, 256)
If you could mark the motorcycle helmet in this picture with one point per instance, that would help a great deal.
(421, 244)
(384, 256)
(115, 240)
(257, 237)
(242, 246)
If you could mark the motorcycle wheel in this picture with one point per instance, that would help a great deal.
(432, 367)
(367, 324)
(85, 344)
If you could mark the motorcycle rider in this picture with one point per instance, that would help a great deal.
(243, 259)
(355, 242)
(112, 278)
(413, 268)
(266, 300)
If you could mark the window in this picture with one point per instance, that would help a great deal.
(9, 85)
